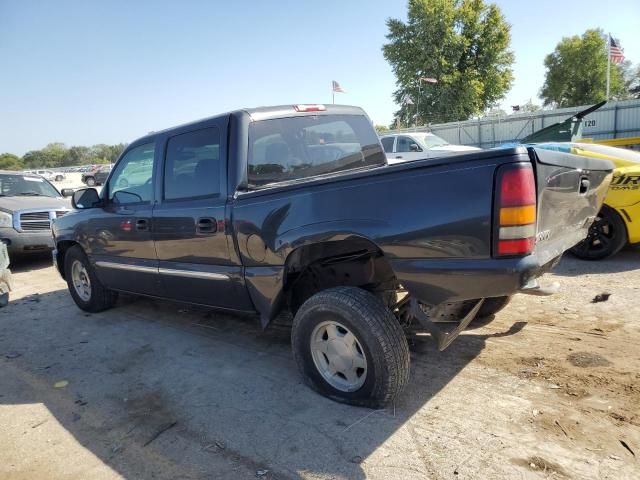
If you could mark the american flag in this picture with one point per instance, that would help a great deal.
(615, 51)
(337, 87)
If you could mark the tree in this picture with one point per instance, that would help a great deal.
(381, 128)
(577, 72)
(463, 45)
(77, 156)
(631, 79)
(530, 107)
(9, 161)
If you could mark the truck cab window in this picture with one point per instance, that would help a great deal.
(131, 180)
(295, 148)
(192, 165)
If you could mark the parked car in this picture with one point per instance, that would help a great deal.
(28, 206)
(294, 209)
(404, 147)
(50, 175)
(96, 176)
(618, 222)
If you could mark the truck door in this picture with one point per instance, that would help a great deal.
(407, 149)
(197, 260)
(119, 236)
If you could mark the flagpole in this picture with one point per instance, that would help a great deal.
(608, 64)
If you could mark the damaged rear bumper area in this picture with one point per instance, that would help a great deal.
(435, 282)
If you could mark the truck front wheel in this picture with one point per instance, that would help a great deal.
(85, 287)
(349, 347)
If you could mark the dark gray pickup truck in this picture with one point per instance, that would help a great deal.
(294, 209)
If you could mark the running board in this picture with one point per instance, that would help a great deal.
(443, 339)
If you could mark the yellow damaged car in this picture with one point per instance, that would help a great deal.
(618, 222)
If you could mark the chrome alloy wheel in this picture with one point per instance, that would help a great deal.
(81, 281)
(338, 356)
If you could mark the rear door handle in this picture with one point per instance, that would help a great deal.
(398, 156)
(206, 225)
(142, 225)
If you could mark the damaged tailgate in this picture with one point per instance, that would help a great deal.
(571, 190)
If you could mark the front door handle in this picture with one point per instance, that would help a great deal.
(206, 225)
(142, 225)
(398, 156)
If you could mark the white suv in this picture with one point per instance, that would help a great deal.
(48, 174)
(404, 147)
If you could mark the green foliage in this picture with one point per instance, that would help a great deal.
(577, 72)
(631, 79)
(381, 128)
(530, 107)
(9, 161)
(59, 155)
(463, 44)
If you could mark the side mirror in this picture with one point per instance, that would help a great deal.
(67, 192)
(85, 198)
(414, 147)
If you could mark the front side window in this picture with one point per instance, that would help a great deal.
(192, 165)
(387, 144)
(404, 144)
(131, 181)
(294, 148)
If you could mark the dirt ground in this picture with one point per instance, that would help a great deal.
(549, 389)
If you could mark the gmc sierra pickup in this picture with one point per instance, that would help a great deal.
(294, 209)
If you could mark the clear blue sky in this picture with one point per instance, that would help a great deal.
(85, 72)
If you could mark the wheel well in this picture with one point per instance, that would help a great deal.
(61, 250)
(355, 262)
(619, 213)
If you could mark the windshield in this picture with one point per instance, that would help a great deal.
(300, 147)
(429, 140)
(14, 185)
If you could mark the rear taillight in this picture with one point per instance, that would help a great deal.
(515, 218)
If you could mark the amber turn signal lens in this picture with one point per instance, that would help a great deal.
(518, 215)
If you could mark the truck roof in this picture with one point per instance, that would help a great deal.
(266, 113)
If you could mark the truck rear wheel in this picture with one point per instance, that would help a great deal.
(85, 288)
(349, 347)
(607, 236)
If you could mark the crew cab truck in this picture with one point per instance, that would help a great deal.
(294, 209)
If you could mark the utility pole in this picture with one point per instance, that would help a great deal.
(420, 80)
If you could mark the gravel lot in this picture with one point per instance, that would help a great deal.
(550, 389)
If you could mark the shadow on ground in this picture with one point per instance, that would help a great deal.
(28, 263)
(157, 390)
(626, 260)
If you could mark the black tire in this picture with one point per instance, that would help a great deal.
(101, 298)
(607, 236)
(90, 181)
(493, 305)
(487, 311)
(378, 333)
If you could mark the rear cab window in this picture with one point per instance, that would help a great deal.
(295, 148)
(192, 165)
